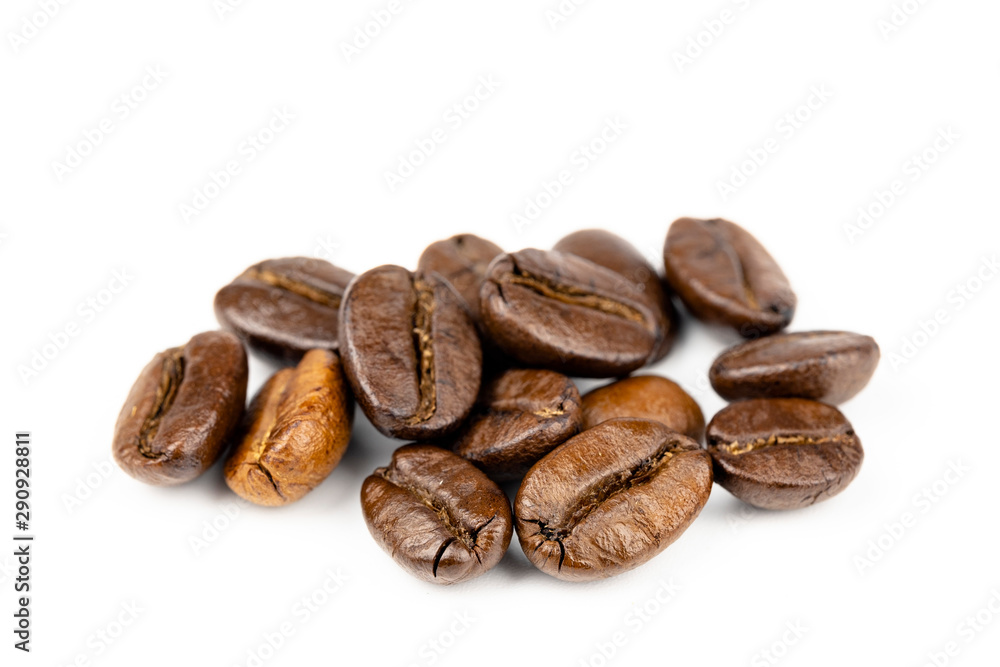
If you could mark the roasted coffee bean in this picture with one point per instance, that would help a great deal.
(610, 499)
(725, 276)
(461, 260)
(521, 416)
(294, 432)
(437, 515)
(638, 275)
(559, 311)
(783, 453)
(411, 352)
(180, 412)
(284, 307)
(828, 366)
(647, 397)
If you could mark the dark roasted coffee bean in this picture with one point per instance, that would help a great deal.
(521, 416)
(439, 517)
(461, 260)
(411, 352)
(647, 397)
(610, 499)
(294, 432)
(284, 307)
(783, 453)
(638, 275)
(828, 366)
(725, 276)
(565, 313)
(180, 412)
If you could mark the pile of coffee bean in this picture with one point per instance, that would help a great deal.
(471, 356)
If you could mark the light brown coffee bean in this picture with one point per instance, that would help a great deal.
(294, 433)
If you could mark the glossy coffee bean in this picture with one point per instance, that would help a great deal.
(562, 312)
(294, 432)
(828, 366)
(437, 515)
(461, 260)
(521, 416)
(783, 453)
(180, 412)
(410, 351)
(638, 276)
(725, 276)
(610, 499)
(284, 307)
(647, 397)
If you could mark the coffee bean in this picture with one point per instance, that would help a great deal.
(610, 499)
(562, 312)
(294, 432)
(783, 453)
(647, 397)
(637, 276)
(521, 416)
(461, 260)
(179, 413)
(725, 276)
(828, 366)
(438, 516)
(284, 307)
(411, 352)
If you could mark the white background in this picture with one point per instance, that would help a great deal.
(742, 576)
